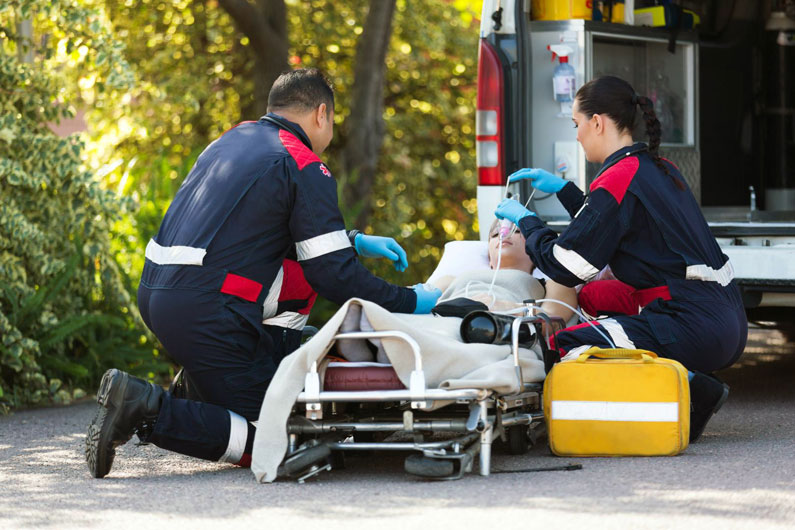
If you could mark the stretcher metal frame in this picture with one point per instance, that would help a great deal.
(477, 417)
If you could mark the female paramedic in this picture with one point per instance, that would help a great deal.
(640, 218)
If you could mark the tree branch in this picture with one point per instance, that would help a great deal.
(366, 123)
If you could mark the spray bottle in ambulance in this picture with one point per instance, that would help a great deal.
(563, 79)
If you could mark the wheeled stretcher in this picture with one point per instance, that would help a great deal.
(348, 406)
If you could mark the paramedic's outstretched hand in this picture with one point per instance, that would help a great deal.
(540, 179)
(381, 247)
(512, 210)
(427, 295)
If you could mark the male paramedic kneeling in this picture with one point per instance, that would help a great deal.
(218, 291)
(642, 220)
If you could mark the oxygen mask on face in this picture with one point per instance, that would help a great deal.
(506, 229)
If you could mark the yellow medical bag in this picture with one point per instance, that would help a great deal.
(617, 402)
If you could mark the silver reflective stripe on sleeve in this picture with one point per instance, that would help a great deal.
(705, 273)
(288, 319)
(617, 333)
(667, 411)
(177, 255)
(271, 303)
(238, 434)
(322, 244)
(574, 263)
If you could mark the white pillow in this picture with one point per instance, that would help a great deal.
(465, 256)
(459, 257)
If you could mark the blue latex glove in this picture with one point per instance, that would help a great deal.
(540, 179)
(512, 210)
(381, 247)
(427, 295)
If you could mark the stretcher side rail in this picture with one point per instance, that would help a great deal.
(490, 413)
(431, 394)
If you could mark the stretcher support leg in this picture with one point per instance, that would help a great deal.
(485, 440)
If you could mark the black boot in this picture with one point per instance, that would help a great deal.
(126, 404)
(707, 395)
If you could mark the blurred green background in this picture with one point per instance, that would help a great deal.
(106, 105)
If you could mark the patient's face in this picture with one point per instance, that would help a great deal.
(513, 252)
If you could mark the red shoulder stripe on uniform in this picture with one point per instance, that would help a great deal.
(239, 124)
(616, 180)
(302, 155)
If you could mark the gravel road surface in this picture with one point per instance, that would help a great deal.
(740, 475)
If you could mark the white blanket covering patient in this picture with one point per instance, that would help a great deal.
(448, 362)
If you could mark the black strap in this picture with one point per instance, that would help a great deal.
(569, 467)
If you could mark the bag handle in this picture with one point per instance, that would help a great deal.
(617, 353)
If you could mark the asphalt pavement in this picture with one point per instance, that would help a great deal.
(741, 474)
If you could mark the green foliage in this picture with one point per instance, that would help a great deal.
(65, 314)
(424, 194)
(193, 71)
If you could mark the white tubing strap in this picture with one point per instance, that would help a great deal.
(574, 263)
(322, 244)
(238, 435)
(665, 411)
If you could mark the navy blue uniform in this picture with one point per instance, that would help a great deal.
(655, 239)
(211, 284)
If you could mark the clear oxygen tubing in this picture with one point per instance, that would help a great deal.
(582, 316)
(502, 236)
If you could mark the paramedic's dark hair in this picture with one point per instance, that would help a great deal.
(301, 90)
(617, 99)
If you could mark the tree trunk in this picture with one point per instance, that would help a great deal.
(365, 124)
(265, 25)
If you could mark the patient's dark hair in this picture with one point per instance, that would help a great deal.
(301, 90)
(616, 98)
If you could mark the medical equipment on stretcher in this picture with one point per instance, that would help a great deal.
(365, 407)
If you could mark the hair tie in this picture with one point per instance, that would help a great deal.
(635, 99)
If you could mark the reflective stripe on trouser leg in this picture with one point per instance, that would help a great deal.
(238, 435)
(617, 333)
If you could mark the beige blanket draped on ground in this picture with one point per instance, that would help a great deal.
(447, 363)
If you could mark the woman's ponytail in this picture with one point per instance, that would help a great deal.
(654, 131)
(617, 99)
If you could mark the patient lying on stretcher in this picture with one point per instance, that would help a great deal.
(514, 281)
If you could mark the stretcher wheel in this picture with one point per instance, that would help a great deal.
(305, 458)
(518, 440)
(422, 466)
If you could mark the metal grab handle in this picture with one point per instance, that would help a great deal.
(415, 348)
(417, 378)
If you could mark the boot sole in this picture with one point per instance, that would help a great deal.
(722, 399)
(100, 446)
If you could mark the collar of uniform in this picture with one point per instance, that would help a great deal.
(624, 152)
(288, 126)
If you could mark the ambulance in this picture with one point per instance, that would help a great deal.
(722, 76)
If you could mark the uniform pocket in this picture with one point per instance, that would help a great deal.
(662, 326)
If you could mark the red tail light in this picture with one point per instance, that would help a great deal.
(489, 118)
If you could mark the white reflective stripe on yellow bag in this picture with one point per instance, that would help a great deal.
(614, 411)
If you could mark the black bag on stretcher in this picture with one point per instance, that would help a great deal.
(617, 402)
